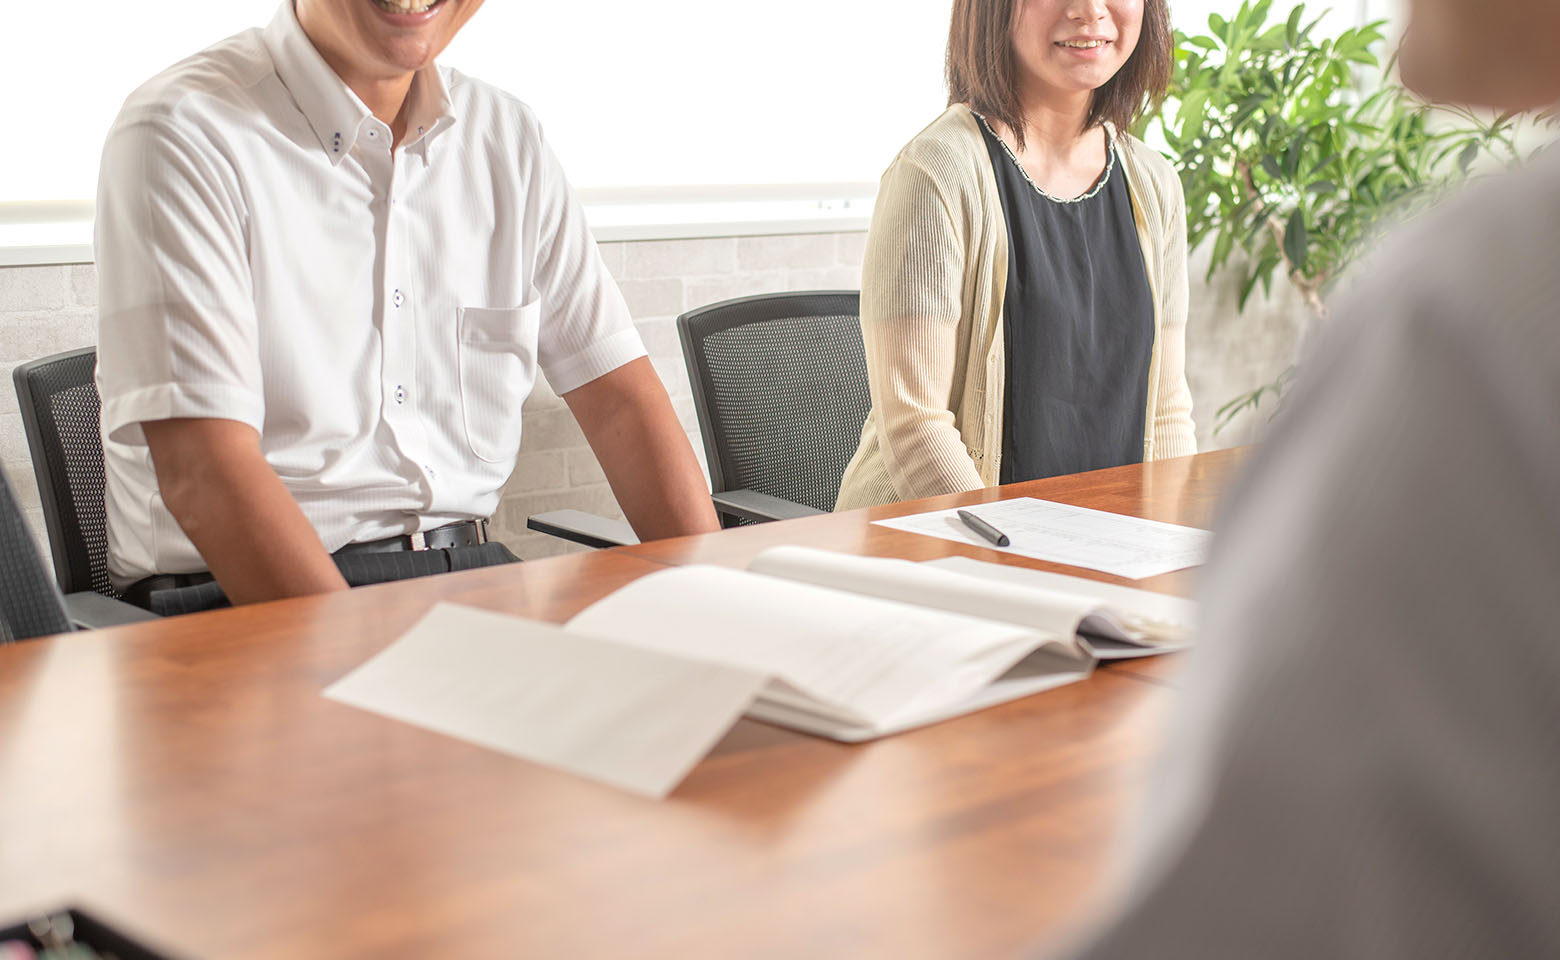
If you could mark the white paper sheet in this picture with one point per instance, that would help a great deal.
(634, 718)
(1127, 547)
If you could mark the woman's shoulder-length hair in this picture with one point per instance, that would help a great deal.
(983, 72)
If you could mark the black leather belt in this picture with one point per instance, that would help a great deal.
(464, 533)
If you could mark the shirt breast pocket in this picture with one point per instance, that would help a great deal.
(496, 350)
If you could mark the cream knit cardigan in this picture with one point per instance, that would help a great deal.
(932, 283)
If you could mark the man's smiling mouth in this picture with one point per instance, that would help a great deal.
(407, 6)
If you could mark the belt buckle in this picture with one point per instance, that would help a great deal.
(419, 542)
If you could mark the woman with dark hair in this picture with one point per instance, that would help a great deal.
(1023, 295)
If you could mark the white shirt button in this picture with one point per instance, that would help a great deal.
(400, 394)
(398, 299)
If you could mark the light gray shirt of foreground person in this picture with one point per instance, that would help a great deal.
(1367, 763)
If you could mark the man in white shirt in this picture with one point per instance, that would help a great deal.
(1367, 764)
(329, 272)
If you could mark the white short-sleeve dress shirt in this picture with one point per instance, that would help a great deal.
(378, 313)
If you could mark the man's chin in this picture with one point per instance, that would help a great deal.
(1420, 71)
(407, 54)
(1457, 73)
(1423, 70)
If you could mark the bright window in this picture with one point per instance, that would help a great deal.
(716, 109)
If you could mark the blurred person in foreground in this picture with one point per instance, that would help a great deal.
(1368, 758)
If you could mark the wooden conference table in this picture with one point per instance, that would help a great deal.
(186, 780)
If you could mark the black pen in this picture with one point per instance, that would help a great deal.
(983, 528)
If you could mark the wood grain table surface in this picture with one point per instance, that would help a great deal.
(185, 779)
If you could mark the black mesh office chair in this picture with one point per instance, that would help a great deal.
(30, 603)
(780, 386)
(59, 402)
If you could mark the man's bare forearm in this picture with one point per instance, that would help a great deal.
(233, 507)
(629, 422)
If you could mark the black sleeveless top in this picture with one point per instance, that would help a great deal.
(1078, 323)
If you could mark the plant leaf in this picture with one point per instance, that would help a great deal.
(1324, 164)
(1246, 288)
(1292, 157)
(1189, 117)
(1468, 155)
(1221, 250)
(1296, 246)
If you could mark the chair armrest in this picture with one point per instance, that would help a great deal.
(760, 507)
(581, 527)
(93, 611)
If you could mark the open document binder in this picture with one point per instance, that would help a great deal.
(845, 647)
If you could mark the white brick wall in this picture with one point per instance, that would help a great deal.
(1229, 353)
(45, 310)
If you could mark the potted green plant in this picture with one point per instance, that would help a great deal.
(1296, 150)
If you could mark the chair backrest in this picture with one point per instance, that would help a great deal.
(780, 386)
(59, 403)
(30, 603)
